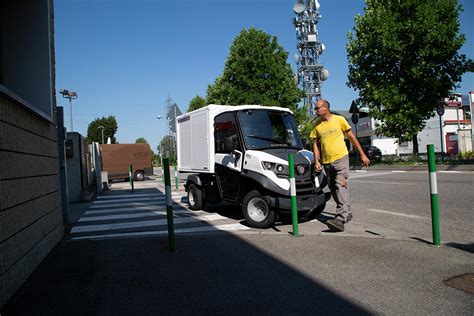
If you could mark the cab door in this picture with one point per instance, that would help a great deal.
(228, 156)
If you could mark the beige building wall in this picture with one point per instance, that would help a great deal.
(31, 221)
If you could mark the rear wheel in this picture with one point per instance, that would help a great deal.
(194, 197)
(139, 175)
(257, 211)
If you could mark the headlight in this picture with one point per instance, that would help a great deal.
(267, 165)
(280, 168)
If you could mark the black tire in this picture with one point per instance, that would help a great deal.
(194, 198)
(139, 175)
(257, 211)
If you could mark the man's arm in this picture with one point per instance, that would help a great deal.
(317, 164)
(358, 147)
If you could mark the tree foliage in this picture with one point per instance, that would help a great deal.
(256, 72)
(167, 147)
(141, 140)
(403, 58)
(196, 103)
(94, 133)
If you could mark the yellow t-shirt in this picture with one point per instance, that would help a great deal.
(331, 135)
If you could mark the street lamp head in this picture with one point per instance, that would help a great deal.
(68, 94)
(101, 127)
(159, 117)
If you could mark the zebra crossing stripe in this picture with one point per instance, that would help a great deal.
(130, 200)
(106, 197)
(154, 208)
(123, 216)
(224, 227)
(141, 224)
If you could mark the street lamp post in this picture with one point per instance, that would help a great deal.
(159, 117)
(102, 128)
(69, 95)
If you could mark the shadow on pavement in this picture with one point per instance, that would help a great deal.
(209, 274)
(466, 247)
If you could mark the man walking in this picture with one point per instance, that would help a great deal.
(329, 131)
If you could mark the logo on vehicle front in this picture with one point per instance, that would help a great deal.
(300, 169)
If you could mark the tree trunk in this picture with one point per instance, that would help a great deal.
(415, 145)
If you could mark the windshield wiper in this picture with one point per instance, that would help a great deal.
(273, 140)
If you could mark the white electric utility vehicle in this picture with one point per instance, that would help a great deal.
(239, 154)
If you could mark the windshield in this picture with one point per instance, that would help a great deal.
(269, 129)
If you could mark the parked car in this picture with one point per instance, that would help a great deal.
(373, 153)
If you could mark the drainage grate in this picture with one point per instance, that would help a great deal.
(464, 282)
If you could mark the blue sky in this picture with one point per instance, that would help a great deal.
(124, 57)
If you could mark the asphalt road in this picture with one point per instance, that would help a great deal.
(400, 201)
(381, 264)
(392, 204)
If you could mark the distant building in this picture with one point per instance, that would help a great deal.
(455, 124)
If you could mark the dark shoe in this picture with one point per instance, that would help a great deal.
(335, 224)
(348, 218)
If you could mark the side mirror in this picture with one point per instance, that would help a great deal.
(229, 144)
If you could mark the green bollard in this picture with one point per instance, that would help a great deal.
(294, 208)
(434, 196)
(176, 182)
(130, 173)
(169, 206)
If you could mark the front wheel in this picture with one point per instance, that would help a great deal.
(194, 197)
(257, 211)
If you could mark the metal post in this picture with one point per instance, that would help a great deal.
(169, 206)
(62, 165)
(434, 196)
(130, 173)
(70, 108)
(294, 209)
(176, 177)
(102, 136)
(441, 136)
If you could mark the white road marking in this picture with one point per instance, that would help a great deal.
(104, 227)
(449, 171)
(105, 197)
(361, 171)
(138, 199)
(394, 213)
(224, 227)
(398, 171)
(125, 216)
(382, 182)
(365, 175)
(120, 216)
(154, 208)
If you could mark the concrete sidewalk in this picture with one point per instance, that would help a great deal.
(224, 273)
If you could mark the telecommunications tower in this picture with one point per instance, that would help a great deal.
(311, 73)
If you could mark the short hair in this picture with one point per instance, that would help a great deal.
(326, 103)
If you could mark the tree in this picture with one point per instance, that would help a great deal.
(403, 58)
(94, 133)
(168, 148)
(196, 103)
(256, 72)
(141, 140)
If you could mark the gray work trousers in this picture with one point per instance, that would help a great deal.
(337, 173)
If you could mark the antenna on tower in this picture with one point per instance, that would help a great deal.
(310, 73)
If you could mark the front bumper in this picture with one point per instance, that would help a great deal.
(303, 203)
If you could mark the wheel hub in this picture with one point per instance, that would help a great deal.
(257, 209)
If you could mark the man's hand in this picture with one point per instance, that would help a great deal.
(317, 166)
(365, 160)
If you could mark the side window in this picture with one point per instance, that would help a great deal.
(225, 129)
